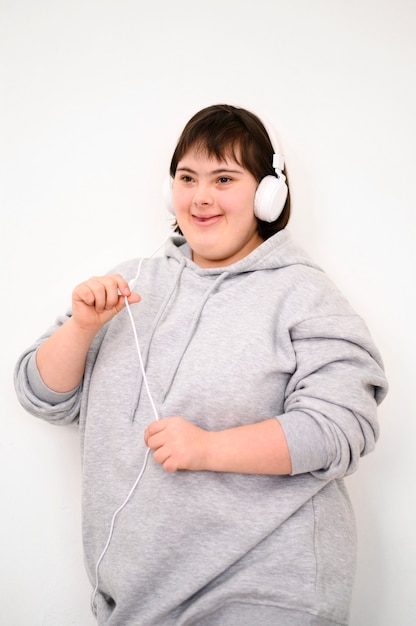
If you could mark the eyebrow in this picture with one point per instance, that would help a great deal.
(221, 170)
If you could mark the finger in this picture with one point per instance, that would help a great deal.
(156, 441)
(92, 293)
(134, 297)
(105, 296)
(160, 456)
(148, 433)
(170, 465)
(116, 290)
(156, 427)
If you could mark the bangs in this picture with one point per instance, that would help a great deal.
(222, 151)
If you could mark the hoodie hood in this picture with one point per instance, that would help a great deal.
(277, 252)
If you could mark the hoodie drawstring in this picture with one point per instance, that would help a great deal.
(192, 329)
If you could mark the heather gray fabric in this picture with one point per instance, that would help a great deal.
(268, 336)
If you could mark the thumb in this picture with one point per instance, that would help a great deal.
(132, 298)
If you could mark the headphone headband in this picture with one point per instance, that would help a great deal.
(278, 162)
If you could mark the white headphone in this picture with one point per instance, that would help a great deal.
(271, 193)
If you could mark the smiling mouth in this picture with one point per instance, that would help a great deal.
(206, 219)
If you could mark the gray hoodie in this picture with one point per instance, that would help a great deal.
(269, 336)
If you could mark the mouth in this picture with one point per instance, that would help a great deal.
(206, 220)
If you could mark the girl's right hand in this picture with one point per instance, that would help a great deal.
(97, 300)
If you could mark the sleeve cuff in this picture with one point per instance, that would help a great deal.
(42, 391)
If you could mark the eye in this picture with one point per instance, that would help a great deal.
(186, 179)
(224, 179)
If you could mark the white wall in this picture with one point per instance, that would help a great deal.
(93, 96)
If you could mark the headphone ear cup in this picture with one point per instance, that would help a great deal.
(270, 198)
(167, 194)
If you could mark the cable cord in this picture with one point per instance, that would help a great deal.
(142, 470)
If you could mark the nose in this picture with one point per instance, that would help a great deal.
(203, 194)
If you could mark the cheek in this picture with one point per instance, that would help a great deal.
(180, 199)
(242, 206)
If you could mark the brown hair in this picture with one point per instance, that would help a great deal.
(225, 131)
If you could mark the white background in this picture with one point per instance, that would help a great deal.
(93, 96)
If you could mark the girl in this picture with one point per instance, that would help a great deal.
(257, 395)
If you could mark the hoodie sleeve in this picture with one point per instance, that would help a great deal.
(35, 396)
(330, 417)
(31, 391)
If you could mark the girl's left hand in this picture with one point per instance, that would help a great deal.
(177, 444)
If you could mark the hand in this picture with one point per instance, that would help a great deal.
(177, 444)
(97, 300)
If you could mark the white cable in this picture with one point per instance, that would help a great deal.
(139, 352)
(110, 536)
(133, 280)
(136, 482)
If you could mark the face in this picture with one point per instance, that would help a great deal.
(214, 204)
